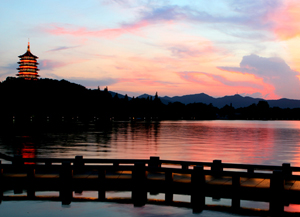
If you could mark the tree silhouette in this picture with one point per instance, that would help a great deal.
(54, 100)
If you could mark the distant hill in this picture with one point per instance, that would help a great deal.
(186, 99)
(236, 100)
(121, 96)
(284, 103)
(165, 100)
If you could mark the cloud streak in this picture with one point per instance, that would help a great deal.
(198, 50)
(61, 48)
(216, 80)
(59, 29)
(47, 64)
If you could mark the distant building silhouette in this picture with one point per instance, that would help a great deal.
(28, 66)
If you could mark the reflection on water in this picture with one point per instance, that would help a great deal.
(47, 209)
(256, 142)
(27, 148)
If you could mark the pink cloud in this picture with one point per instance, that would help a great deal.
(198, 50)
(192, 77)
(51, 64)
(286, 20)
(105, 33)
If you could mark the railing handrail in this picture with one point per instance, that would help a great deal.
(155, 160)
(149, 169)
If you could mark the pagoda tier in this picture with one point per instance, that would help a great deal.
(28, 66)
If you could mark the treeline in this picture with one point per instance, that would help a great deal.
(56, 101)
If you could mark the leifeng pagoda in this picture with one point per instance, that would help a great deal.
(28, 66)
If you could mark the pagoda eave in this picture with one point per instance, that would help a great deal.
(28, 62)
(20, 70)
(33, 67)
(28, 54)
(27, 75)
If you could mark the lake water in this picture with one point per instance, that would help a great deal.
(251, 142)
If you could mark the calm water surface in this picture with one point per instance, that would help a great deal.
(255, 142)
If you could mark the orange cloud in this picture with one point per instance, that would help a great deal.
(286, 20)
(217, 80)
(147, 81)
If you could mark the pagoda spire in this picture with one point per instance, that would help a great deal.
(28, 47)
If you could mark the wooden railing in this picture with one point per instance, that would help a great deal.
(139, 184)
(216, 165)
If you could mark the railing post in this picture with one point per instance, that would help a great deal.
(169, 187)
(78, 169)
(217, 168)
(287, 171)
(30, 182)
(184, 166)
(17, 160)
(65, 176)
(17, 163)
(139, 193)
(154, 162)
(236, 184)
(250, 170)
(102, 181)
(1, 182)
(198, 186)
(277, 193)
(78, 164)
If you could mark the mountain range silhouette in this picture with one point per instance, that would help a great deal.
(237, 101)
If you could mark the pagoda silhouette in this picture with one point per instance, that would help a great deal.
(28, 66)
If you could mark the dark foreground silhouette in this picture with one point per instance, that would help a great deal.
(47, 100)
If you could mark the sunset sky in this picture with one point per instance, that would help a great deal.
(217, 47)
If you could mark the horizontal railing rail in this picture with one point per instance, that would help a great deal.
(215, 165)
(111, 168)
